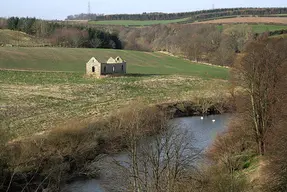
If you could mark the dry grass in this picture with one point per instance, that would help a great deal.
(17, 38)
(33, 102)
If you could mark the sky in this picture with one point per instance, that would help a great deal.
(60, 9)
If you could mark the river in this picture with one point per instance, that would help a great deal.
(203, 133)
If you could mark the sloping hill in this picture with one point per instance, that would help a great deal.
(17, 38)
(64, 59)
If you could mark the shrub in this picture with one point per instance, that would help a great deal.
(66, 152)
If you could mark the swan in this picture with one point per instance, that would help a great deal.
(201, 118)
(213, 120)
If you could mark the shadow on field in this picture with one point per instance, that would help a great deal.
(141, 75)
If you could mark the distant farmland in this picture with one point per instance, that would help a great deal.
(278, 20)
(258, 24)
(74, 60)
(136, 23)
(258, 28)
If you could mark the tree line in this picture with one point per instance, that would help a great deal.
(62, 34)
(196, 15)
(200, 43)
(257, 134)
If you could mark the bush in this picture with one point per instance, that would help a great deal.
(47, 160)
(221, 181)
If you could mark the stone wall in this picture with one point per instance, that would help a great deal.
(93, 68)
(117, 68)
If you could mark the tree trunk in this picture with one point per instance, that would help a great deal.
(261, 147)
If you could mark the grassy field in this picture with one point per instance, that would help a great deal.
(260, 28)
(74, 60)
(34, 101)
(136, 23)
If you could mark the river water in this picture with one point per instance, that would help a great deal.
(203, 133)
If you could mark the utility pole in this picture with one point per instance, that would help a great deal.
(89, 10)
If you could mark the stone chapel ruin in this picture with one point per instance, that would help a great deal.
(111, 67)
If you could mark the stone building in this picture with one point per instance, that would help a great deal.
(111, 67)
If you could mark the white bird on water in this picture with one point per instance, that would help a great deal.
(213, 120)
(201, 118)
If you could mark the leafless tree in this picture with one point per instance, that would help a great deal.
(159, 163)
(259, 71)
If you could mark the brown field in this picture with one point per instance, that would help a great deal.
(279, 20)
(78, 21)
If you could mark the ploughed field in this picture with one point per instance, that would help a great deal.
(278, 20)
(46, 87)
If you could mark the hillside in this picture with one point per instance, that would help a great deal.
(61, 59)
(17, 38)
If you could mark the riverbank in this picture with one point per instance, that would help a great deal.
(67, 151)
(201, 107)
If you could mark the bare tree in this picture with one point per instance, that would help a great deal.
(238, 36)
(259, 71)
(158, 163)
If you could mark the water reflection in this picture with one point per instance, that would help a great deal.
(203, 131)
